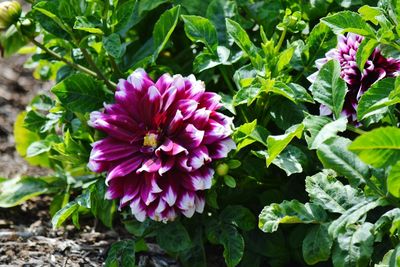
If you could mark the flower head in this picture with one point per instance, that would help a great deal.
(10, 11)
(162, 137)
(376, 68)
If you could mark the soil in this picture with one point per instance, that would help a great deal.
(26, 234)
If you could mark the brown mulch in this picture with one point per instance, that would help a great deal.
(26, 234)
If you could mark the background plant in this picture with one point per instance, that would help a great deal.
(325, 191)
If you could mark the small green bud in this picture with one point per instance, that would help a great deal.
(222, 169)
(10, 11)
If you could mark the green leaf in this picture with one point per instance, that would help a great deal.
(121, 253)
(230, 181)
(277, 143)
(37, 148)
(353, 215)
(318, 129)
(112, 44)
(329, 89)
(364, 51)
(376, 99)
(328, 192)
(393, 180)
(80, 93)
(163, 29)
(241, 38)
(290, 160)
(15, 191)
(333, 153)
(239, 216)
(317, 244)
(34, 121)
(354, 247)
(199, 29)
(379, 147)
(395, 257)
(348, 21)
(127, 15)
(233, 243)
(64, 213)
(284, 59)
(11, 41)
(289, 212)
(173, 237)
(102, 208)
(83, 24)
(24, 138)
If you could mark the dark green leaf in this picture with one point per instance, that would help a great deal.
(199, 29)
(334, 154)
(102, 208)
(241, 38)
(329, 89)
(347, 21)
(239, 216)
(354, 247)
(320, 129)
(364, 51)
(80, 93)
(376, 99)
(379, 147)
(112, 44)
(163, 29)
(328, 192)
(317, 244)
(173, 237)
(121, 253)
(15, 191)
(289, 212)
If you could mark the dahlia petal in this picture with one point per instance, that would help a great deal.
(200, 118)
(187, 107)
(191, 137)
(176, 123)
(166, 166)
(221, 149)
(186, 201)
(169, 196)
(151, 165)
(215, 132)
(164, 82)
(140, 80)
(125, 168)
(138, 209)
(114, 190)
(199, 180)
(199, 202)
(110, 149)
(199, 157)
(324, 110)
(170, 148)
(131, 190)
(168, 98)
(210, 101)
(189, 212)
(97, 166)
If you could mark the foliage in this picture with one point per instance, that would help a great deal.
(325, 191)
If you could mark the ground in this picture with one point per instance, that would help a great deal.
(26, 235)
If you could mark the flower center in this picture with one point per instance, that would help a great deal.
(150, 140)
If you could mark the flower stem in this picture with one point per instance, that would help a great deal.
(355, 130)
(100, 75)
(227, 79)
(72, 64)
(281, 39)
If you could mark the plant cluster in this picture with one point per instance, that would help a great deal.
(282, 150)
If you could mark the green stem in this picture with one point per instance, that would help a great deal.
(100, 74)
(115, 67)
(281, 39)
(60, 58)
(227, 79)
(355, 130)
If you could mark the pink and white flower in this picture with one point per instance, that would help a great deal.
(162, 138)
(376, 68)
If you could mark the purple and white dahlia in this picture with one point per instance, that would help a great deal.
(162, 137)
(376, 68)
